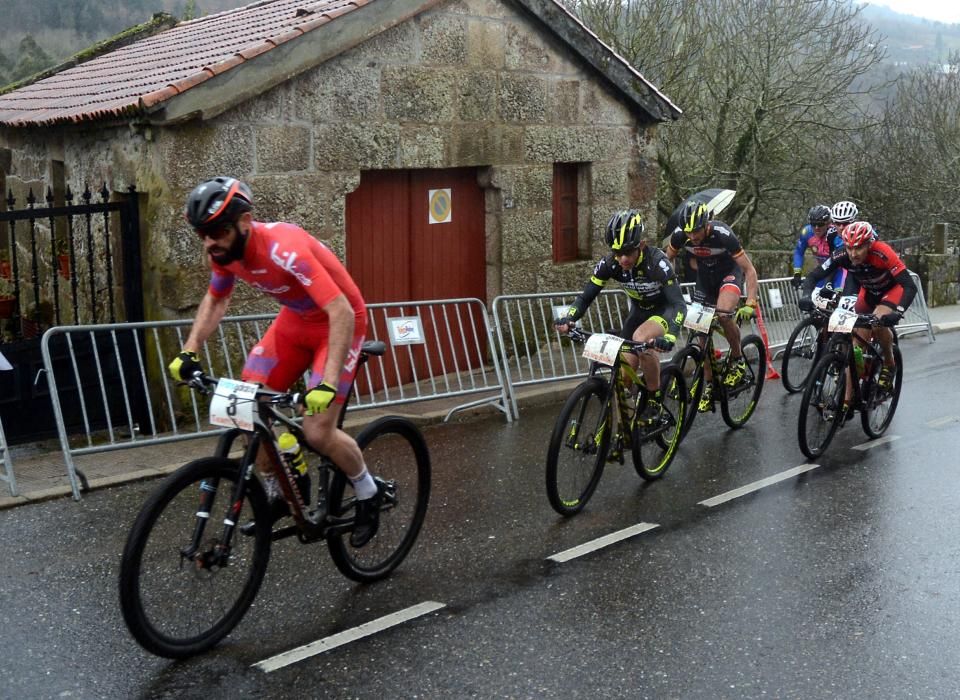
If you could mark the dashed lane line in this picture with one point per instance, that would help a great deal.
(940, 422)
(601, 542)
(876, 443)
(279, 661)
(757, 485)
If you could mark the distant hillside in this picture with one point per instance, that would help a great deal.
(913, 40)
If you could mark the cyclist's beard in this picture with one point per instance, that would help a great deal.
(233, 253)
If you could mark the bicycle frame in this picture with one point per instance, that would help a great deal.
(309, 524)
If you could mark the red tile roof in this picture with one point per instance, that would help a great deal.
(152, 70)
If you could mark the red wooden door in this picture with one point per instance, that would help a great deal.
(397, 251)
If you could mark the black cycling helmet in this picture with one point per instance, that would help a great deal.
(693, 216)
(819, 215)
(218, 201)
(625, 231)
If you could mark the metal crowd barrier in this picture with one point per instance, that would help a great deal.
(7, 474)
(123, 398)
(533, 351)
(117, 388)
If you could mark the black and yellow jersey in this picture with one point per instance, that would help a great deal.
(651, 284)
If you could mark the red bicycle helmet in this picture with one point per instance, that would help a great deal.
(857, 233)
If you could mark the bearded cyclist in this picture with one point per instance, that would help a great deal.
(886, 289)
(657, 309)
(724, 272)
(320, 327)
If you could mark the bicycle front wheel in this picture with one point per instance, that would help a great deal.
(880, 405)
(654, 446)
(578, 448)
(800, 355)
(396, 454)
(738, 403)
(821, 408)
(688, 361)
(182, 587)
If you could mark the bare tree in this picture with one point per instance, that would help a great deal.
(772, 93)
(908, 168)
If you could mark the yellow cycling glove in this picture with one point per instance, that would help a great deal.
(319, 398)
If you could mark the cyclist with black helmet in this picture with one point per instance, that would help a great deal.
(820, 238)
(320, 326)
(656, 304)
(886, 287)
(724, 272)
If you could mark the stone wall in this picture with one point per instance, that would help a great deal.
(468, 83)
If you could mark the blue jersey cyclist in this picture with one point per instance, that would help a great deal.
(724, 272)
(657, 309)
(821, 238)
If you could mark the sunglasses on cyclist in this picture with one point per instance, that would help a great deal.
(215, 233)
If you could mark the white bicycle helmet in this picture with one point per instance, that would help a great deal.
(844, 212)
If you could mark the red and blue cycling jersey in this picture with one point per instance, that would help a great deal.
(821, 247)
(287, 263)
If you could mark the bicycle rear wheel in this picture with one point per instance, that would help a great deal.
(821, 408)
(800, 355)
(738, 403)
(687, 360)
(179, 599)
(578, 448)
(879, 405)
(654, 446)
(396, 454)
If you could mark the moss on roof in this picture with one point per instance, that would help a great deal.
(161, 21)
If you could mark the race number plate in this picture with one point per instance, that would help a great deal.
(699, 317)
(847, 302)
(842, 321)
(603, 348)
(232, 404)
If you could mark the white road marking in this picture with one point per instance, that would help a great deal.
(601, 542)
(879, 441)
(332, 642)
(940, 422)
(757, 485)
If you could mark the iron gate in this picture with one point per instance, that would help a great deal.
(61, 264)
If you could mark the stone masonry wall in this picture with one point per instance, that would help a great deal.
(468, 83)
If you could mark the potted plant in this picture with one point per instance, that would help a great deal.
(38, 318)
(7, 300)
(62, 245)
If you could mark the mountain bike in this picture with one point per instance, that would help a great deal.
(198, 550)
(598, 423)
(821, 408)
(737, 403)
(805, 347)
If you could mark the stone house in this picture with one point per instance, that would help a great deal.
(445, 148)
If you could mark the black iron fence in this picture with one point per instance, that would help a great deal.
(62, 263)
(65, 265)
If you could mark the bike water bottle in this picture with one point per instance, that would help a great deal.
(293, 455)
(858, 359)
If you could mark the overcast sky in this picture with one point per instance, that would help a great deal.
(940, 10)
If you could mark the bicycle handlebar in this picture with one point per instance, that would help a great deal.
(285, 399)
(579, 335)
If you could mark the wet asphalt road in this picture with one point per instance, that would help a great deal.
(843, 581)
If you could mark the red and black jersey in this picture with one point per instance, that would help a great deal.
(880, 272)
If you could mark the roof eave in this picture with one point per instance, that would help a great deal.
(219, 89)
(641, 94)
